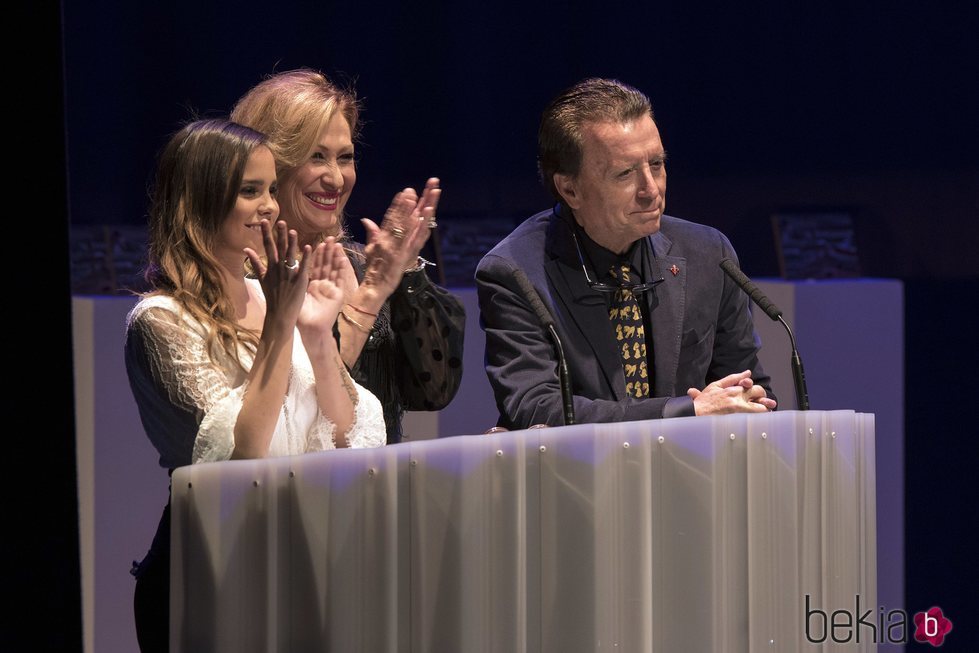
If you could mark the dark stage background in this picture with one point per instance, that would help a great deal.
(870, 109)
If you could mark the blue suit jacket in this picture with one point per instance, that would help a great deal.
(702, 328)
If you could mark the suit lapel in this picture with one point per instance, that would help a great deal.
(585, 310)
(667, 306)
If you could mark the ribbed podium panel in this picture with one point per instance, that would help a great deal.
(692, 534)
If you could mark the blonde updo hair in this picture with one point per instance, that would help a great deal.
(292, 108)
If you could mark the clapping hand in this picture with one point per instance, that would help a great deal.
(329, 273)
(285, 277)
(393, 247)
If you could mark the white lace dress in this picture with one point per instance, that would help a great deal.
(189, 403)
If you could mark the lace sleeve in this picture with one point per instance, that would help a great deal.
(187, 379)
(216, 436)
(367, 429)
(429, 323)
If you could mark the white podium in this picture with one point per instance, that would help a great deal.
(850, 335)
(690, 534)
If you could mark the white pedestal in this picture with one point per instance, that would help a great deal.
(850, 336)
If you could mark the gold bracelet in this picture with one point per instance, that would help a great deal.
(355, 323)
(360, 310)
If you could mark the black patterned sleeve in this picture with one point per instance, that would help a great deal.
(429, 324)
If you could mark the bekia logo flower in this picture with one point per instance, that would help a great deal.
(931, 626)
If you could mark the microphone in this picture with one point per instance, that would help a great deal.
(530, 294)
(772, 311)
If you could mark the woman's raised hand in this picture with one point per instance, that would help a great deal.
(285, 276)
(326, 292)
(393, 247)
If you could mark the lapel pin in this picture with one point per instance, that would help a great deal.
(675, 270)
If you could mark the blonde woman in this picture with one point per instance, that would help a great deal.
(400, 335)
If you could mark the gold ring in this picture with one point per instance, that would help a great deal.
(291, 266)
(432, 223)
(398, 232)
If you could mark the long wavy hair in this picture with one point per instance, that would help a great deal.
(292, 108)
(198, 175)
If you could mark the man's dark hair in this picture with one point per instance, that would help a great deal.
(589, 101)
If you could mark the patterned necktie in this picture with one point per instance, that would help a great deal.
(630, 336)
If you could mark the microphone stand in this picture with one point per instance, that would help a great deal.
(772, 311)
(565, 377)
(798, 375)
(530, 294)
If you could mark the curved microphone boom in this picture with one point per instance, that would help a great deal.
(757, 296)
(530, 294)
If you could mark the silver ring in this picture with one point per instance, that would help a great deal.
(291, 266)
(432, 223)
(398, 232)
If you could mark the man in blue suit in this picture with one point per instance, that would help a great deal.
(607, 250)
